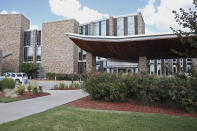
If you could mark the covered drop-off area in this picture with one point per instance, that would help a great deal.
(138, 48)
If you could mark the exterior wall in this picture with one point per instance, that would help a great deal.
(12, 28)
(59, 53)
(141, 24)
(1, 58)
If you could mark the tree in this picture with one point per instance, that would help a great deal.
(187, 19)
(29, 68)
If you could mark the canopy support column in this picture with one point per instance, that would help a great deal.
(143, 64)
(90, 62)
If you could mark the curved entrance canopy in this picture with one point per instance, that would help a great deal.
(130, 47)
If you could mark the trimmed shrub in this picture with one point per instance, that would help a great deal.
(75, 77)
(40, 89)
(55, 86)
(50, 76)
(21, 90)
(35, 91)
(62, 85)
(74, 85)
(7, 83)
(29, 88)
(178, 90)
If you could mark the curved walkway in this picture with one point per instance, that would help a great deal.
(15, 110)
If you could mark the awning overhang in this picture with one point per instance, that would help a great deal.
(131, 47)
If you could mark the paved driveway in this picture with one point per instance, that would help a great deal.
(15, 110)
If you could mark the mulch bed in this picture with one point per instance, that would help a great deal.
(66, 89)
(29, 95)
(129, 105)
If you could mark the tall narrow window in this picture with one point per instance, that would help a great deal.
(120, 26)
(103, 28)
(131, 25)
(89, 29)
(96, 28)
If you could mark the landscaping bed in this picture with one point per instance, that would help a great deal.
(66, 89)
(131, 106)
(26, 95)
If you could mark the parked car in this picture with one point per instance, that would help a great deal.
(18, 77)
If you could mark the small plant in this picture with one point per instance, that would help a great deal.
(55, 86)
(35, 91)
(29, 88)
(74, 85)
(62, 85)
(40, 89)
(21, 90)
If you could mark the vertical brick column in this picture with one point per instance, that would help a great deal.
(111, 26)
(141, 25)
(1, 58)
(143, 64)
(90, 62)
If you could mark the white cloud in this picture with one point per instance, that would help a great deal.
(3, 12)
(161, 16)
(74, 9)
(6, 12)
(32, 27)
(14, 12)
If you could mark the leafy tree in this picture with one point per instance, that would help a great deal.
(29, 68)
(187, 19)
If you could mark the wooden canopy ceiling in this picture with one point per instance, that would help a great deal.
(130, 47)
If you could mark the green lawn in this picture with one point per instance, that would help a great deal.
(4, 99)
(65, 118)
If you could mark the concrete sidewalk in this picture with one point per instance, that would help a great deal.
(15, 110)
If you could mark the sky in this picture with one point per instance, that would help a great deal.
(157, 14)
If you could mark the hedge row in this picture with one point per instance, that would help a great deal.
(179, 90)
(75, 77)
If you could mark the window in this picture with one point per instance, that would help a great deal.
(152, 69)
(31, 38)
(96, 28)
(131, 26)
(38, 53)
(13, 75)
(89, 29)
(83, 30)
(174, 69)
(120, 26)
(19, 75)
(103, 28)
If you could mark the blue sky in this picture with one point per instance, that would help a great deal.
(155, 12)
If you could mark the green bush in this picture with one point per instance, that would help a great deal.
(21, 90)
(50, 76)
(178, 90)
(69, 77)
(29, 88)
(40, 89)
(29, 68)
(74, 85)
(55, 87)
(7, 83)
(35, 90)
(105, 87)
(62, 85)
